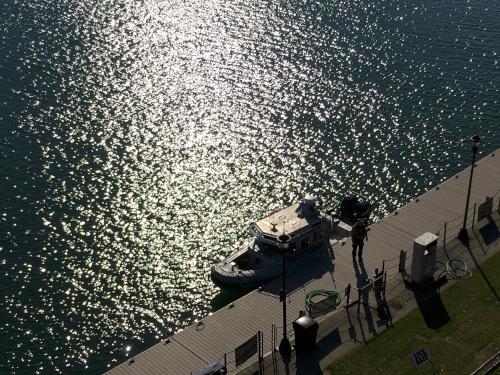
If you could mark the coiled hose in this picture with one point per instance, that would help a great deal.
(457, 269)
(321, 292)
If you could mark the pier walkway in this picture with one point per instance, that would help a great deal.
(221, 332)
(343, 330)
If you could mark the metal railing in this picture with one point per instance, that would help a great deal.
(489, 366)
(451, 228)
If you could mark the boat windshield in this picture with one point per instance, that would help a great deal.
(264, 248)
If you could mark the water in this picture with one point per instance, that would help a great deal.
(139, 138)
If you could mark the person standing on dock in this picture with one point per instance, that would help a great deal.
(358, 236)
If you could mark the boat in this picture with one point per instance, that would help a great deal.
(306, 229)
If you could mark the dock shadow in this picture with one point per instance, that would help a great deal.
(226, 296)
(489, 232)
(311, 266)
(360, 272)
(383, 310)
(430, 304)
(483, 275)
(351, 330)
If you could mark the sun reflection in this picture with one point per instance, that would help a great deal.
(143, 136)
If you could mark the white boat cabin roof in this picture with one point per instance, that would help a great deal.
(288, 221)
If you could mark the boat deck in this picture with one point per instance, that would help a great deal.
(287, 221)
(203, 343)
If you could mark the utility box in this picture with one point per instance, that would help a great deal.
(424, 258)
(305, 329)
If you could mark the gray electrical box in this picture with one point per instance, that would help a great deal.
(424, 258)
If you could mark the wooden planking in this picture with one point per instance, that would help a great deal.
(159, 359)
(393, 238)
(227, 328)
(235, 322)
(421, 214)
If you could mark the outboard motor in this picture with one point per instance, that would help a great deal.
(363, 209)
(348, 207)
(352, 208)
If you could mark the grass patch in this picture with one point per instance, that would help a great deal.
(459, 347)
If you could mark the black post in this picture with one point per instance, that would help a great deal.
(260, 335)
(359, 301)
(444, 248)
(285, 348)
(283, 296)
(474, 214)
(347, 294)
(402, 263)
(468, 191)
(444, 239)
(475, 147)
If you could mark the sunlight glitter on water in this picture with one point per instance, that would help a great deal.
(139, 139)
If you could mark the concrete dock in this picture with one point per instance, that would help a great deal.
(207, 341)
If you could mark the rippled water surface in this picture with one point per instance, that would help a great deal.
(138, 138)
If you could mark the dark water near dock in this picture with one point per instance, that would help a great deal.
(138, 138)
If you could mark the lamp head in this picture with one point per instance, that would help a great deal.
(475, 141)
(283, 240)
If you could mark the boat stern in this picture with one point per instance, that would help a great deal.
(225, 274)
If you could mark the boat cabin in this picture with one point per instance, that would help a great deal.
(303, 222)
(260, 259)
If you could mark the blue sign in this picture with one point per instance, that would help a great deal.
(422, 355)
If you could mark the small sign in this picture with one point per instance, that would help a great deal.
(422, 355)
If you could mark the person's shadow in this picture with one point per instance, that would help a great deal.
(361, 274)
(363, 285)
(313, 265)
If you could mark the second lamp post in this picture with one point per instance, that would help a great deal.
(475, 142)
(285, 348)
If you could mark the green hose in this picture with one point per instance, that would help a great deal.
(321, 292)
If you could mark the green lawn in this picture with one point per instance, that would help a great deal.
(470, 337)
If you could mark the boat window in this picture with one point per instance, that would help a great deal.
(264, 248)
(257, 248)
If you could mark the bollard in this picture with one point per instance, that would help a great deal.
(474, 214)
(359, 301)
(444, 239)
(347, 294)
(402, 262)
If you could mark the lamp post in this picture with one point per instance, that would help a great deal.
(475, 142)
(285, 348)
